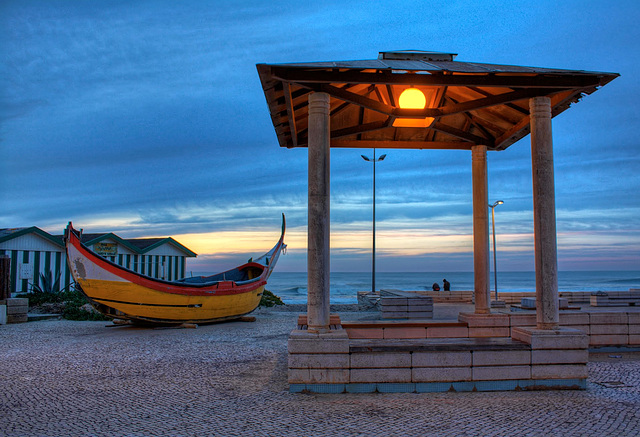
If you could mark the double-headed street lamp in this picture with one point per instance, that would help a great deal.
(495, 266)
(373, 252)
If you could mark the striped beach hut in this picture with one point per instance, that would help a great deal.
(161, 258)
(34, 252)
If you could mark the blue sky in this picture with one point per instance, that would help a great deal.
(147, 118)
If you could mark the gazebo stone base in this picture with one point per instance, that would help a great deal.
(440, 387)
(532, 360)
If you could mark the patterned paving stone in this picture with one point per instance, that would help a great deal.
(61, 378)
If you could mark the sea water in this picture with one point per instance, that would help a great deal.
(292, 287)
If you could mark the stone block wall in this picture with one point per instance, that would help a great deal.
(465, 296)
(406, 307)
(502, 351)
(319, 364)
(16, 309)
(616, 329)
(406, 330)
(397, 304)
(615, 298)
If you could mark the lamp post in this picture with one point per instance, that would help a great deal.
(495, 266)
(373, 252)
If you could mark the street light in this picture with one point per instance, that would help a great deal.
(495, 266)
(373, 252)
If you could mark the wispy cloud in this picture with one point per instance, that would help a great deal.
(148, 119)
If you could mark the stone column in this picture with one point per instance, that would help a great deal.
(480, 230)
(318, 221)
(544, 214)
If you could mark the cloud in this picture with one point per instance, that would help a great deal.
(148, 119)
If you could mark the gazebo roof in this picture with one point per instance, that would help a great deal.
(467, 103)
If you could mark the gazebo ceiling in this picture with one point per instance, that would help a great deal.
(466, 103)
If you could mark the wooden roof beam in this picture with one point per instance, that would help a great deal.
(392, 144)
(473, 122)
(350, 97)
(291, 115)
(361, 128)
(439, 100)
(383, 108)
(507, 80)
(510, 105)
(463, 135)
(521, 129)
(473, 105)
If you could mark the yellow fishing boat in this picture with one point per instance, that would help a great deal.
(121, 293)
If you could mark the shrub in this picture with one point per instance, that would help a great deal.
(269, 299)
(48, 291)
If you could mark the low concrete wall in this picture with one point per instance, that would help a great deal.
(464, 296)
(16, 309)
(621, 329)
(480, 352)
(509, 297)
(615, 298)
(335, 363)
(396, 304)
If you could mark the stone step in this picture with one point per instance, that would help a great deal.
(436, 345)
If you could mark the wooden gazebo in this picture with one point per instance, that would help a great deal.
(466, 106)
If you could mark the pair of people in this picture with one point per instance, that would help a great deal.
(445, 284)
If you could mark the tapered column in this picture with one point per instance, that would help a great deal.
(544, 214)
(318, 221)
(480, 230)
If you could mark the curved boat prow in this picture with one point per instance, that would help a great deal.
(270, 259)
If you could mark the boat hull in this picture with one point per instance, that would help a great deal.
(120, 293)
(131, 301)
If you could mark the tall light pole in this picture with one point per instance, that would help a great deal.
(373, 252)
(495, 266)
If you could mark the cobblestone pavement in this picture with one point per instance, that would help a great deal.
(63, 378)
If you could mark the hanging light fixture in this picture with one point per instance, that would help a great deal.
(412, 98)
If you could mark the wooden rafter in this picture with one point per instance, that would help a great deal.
(350, 97)
(511, 80)
(520, 129)
(510, 105)
(392, 100)
(458, 133)
(473, 105)
(291, 115)
(393, 144)
(375, 105)
(438, 101)
(361, 128)
(486, 134)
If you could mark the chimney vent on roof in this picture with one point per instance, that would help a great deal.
(416, 55)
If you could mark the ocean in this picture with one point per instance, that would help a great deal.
(292, 287)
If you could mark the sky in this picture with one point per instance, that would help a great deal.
(148, 119)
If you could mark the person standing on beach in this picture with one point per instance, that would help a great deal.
(446, 285)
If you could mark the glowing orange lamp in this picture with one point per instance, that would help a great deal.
(412, 98)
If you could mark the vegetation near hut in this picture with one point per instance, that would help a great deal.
(46, 296)
(269, 299)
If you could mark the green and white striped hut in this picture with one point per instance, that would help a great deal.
(34, 253)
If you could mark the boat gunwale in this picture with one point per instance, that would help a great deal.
(217, 287)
